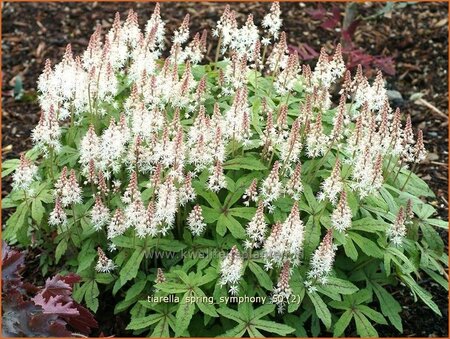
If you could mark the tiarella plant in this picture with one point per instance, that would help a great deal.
(260, 196)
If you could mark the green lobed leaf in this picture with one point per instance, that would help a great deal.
(406, 264)
(37, 210)
(310, 197)
(432, 238)
(161, 329)
(205, 307)
(184, 315)
(86, 257)
(273, 327)
(263, 310)
(170, 245)
(171, 287)
(91, 295)
(140, 323)
(321, 309)
(235, 332)
(350, 249)
(369, 224)
(246, 213)
(104, 278)
(295, 322)
(233, 226)
(415, 185)
(209, 196)
(9, 166)
(210, 215)
(363, 326)
(342, 323)
(261, 275)
(372, 314)
(131, 268)
(126, 242)
(389, 306)
(60, 250)
(230, 314)
(312, 236)
(17, 225)
(438, 223)
(248, 163)
(366, 245)
(221, 226)
(340, 286)
(425, 296)
(135, 289)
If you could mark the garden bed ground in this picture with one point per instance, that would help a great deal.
(415, 36)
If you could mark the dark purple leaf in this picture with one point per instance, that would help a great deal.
(71, 278)
(61, 287)
(336, 13)
(49, 325)
(330, 24)
(12, 263)
(51, 309)
(25, 319)
(84, 321)
(348, 33)
(56, 286)
(357, 57)
(55, 305)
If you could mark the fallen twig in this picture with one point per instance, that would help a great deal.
(436, 110)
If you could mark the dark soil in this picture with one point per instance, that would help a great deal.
(416, 37)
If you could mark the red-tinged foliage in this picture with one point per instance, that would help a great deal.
(348, 33)
(386, 64)
(358, 56)
(57, 286)
(13, 262)
(51, 312)
(304, 51)
(55, 305)
(330, 19)
(333, 19)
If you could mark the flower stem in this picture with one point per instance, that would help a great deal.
(75, 223)
(398, 172)
(317, 167)
(155, 257)
(264, 55)
(388, 165)
(273, 75)
(409, 176)
(217, 51)
(179, 224)
(51, 164)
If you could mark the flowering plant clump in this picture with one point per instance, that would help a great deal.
(266, 197)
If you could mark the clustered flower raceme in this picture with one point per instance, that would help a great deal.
(150, 135)
(285, 241)
(104, 265)
(25, 174)
(322, 261)
(282, 292)
(397, 231)
(160, 278)
(195, 221)
(231, 270)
